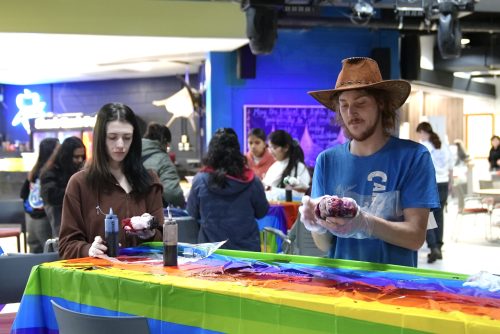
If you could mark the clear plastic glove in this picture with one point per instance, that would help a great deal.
(97, 248)
(359, 227)
(308, 217)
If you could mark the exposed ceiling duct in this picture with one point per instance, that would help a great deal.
(449, 20)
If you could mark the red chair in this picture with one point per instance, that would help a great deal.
(470, 205)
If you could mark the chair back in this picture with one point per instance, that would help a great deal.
(485, 184)
(72, 322)
(12, 212)
(304, 242)
(15, 270)
(12, 215)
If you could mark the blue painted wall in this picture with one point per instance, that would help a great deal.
(302, 60)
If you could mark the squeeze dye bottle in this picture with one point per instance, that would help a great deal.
(169, 240)
(111, 233)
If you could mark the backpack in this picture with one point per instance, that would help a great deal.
(33, 203)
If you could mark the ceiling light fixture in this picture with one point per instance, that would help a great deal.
(362, 12)
(464, 41)
(449, 34)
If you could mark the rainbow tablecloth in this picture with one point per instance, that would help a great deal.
(243, 292)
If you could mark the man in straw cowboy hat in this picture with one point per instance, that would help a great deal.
(391, 180)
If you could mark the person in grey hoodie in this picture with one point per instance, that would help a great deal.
(226, 197)
(155, 157)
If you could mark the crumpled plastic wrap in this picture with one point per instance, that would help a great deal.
(195, 252)
(154, 250)
(484, 280)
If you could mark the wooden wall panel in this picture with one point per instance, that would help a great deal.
(450, 107)
(415, 107)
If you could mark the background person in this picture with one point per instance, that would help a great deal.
(289, 163)
(391, 179)
(443, 165)
(494, 156)
(37, 223)
(226, 197)
(154, 156)
(462, 157)
(64, 162)
(113, 178)
(259, 158)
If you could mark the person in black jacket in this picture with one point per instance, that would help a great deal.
(66, 161)
(37, 223)
(494, 157)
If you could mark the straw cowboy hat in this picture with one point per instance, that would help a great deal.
(363, 73)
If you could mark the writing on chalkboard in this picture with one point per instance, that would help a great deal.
(314, 127)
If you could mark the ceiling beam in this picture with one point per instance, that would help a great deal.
(124, 17)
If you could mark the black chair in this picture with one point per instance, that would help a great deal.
(71, 322)
(15, 270)
(12, 217)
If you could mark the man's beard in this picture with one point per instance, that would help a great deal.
(364, 135)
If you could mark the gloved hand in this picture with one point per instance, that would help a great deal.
(359, 227)
(308, 217)
(97, 248)
(141, 226)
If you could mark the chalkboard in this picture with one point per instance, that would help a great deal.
(313, 127)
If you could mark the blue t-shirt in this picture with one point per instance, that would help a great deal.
(399, 176)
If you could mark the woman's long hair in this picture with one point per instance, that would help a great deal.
(45, 150)
(99, 175)
(62, 158)
(224, 157)
(433, 137)
(295, 154)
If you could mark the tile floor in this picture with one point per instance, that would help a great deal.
(469, 254)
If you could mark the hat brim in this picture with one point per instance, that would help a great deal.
(398, 91)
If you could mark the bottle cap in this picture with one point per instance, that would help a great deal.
(110, 214)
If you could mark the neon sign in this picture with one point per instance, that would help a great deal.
(65, 121)
(30, 106)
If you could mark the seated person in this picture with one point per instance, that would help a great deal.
(289, 166)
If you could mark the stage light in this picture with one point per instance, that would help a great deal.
(262, 28)
(362, 11)
(449, 35)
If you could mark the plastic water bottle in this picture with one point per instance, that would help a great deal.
(111, 233)
(170, 231)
